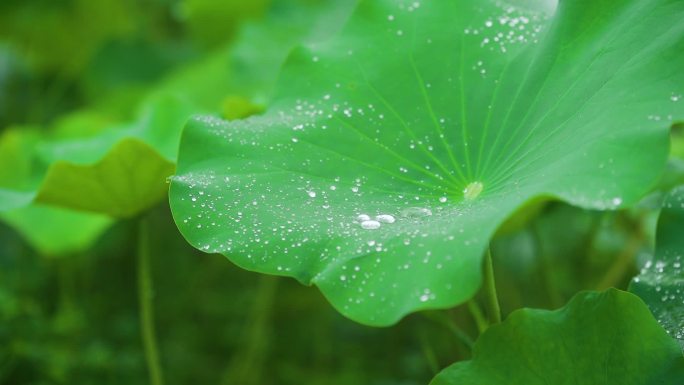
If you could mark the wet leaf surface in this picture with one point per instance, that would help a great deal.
(607, 338)
(393, 152)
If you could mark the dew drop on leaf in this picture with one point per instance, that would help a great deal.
(416, 212)
(370, 225)
(385, 218)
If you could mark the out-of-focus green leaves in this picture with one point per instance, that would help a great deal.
(605, 338)
(52, 231)
(55, 231)
(661, 281)
(17, 165)
(248, 67)
(18, 168)
(63, 35)
(120, 171)
(128, 180)
(90, 159)
(213, 22)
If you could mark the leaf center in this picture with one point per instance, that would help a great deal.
(472, 190)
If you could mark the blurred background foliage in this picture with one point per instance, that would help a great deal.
(68, 293)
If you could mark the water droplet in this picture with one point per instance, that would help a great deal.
(312, 194)
(385, 218)
(363, 217)
(443, 199)
(473, 190)
(370, 225)
(416, 212)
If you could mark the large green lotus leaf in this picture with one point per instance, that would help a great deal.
(607, 338)
(393, 152)
(661, 281)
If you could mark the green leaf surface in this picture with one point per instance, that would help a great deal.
(50, 230)
(128, 180)
(607, 338)
(661, 281)
(120, 171)
(17, 167)
(442, 118)
(10, 199)
(54, 231)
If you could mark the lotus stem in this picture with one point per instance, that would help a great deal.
(491, 298)
(146, 302)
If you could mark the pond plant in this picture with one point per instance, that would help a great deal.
(394, 163)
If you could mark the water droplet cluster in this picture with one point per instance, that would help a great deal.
(514, 26)
(665, 277)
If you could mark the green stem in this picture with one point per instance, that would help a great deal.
(476, 312)
(555, 298)
(248, 366)
(448, 322)
(491, 298)
(623, 261)
(478, 316)
(145, 298)
(429, 352)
